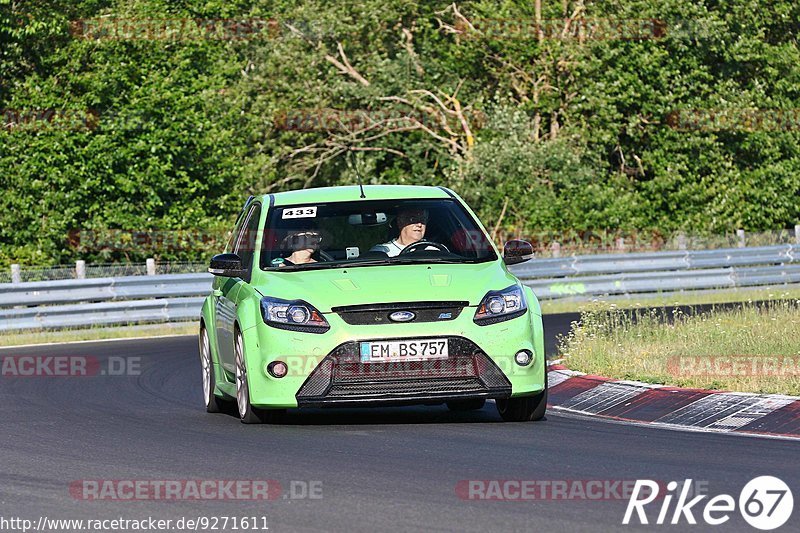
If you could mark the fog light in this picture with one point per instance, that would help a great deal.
(523, 357)
(277, 369)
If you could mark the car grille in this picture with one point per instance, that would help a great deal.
(341, 378)
(371, 314)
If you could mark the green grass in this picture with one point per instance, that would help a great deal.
(20, 338)
(749, 349)
(673, 299)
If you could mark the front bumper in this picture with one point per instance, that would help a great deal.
(342, 379)
(325, 370)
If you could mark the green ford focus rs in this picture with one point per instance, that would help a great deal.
(375, 296)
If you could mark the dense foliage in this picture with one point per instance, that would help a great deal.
(672, 128)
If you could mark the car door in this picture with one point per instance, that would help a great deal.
(227, 289)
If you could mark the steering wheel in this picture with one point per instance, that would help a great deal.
(325, 256)
(420, 245)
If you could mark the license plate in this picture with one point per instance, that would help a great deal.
(411, 350)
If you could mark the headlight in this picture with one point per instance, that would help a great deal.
(295, 315)
(498, 306)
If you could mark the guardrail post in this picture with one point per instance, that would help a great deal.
(80, 269)
(681, 241)
(797, 233)
(740, 236)
(151, 267)
(15, 274)
(555, 248)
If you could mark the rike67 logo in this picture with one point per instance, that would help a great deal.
(765, 503)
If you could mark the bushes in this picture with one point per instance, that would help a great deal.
(566, 135)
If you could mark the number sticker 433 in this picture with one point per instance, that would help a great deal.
(300, 212)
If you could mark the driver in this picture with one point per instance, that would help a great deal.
(412, 224)
(303, 244)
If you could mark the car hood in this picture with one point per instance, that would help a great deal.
(329, 288)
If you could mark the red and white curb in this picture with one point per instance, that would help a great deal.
(771, 415)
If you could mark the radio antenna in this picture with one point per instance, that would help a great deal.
(358, 174)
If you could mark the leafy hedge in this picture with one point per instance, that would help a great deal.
(668, 132)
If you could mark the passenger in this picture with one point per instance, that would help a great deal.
(303, 245)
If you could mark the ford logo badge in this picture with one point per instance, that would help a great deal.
(402, 316)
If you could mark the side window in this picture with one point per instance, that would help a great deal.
(246, 240)
(233, 238)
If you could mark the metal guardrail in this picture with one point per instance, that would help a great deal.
(101, 314)
(176, 297)
(597, 275)
(104, 289)
(654, 261)
(102, 301)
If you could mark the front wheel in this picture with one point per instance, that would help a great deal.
(525, 409)
(247, 413)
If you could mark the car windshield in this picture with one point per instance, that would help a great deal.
(366, 233)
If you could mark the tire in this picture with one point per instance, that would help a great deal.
(247, 413)
(213, 403)
(525, 409)
(472, 404)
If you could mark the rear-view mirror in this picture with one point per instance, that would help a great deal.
(367, 219)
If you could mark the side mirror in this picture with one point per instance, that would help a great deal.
(228, 265)
(515, 252)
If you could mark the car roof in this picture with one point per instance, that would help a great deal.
(353, 193)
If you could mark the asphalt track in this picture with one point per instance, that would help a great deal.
(382, 469)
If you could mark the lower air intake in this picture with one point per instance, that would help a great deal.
(341, 378)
